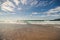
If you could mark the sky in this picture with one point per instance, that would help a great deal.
(29, 9)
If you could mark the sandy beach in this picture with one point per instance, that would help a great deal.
(29, 32)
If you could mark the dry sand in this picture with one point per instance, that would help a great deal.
(29, 32)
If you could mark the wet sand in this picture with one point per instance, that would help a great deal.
(29, 32)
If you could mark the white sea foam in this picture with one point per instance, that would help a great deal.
(32, 22)
(45, 22)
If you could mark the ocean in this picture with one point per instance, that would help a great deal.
(32, 22)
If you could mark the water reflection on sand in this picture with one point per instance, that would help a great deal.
(29, 32)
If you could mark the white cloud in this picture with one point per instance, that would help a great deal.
(53, 11)
(29, 2)
(24, 2)
(8, 6)
(34, 13)
(34, 3)
(13, 13)
(20, 8)
(52, 1)
(42, 3)
(17, 2)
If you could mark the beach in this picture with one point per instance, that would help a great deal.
(29, 32)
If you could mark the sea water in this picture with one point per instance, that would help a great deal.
(33, 22)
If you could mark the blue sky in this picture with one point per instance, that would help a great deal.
(29, 9)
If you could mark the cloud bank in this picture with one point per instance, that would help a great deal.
(8, 6)
(51, 12)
